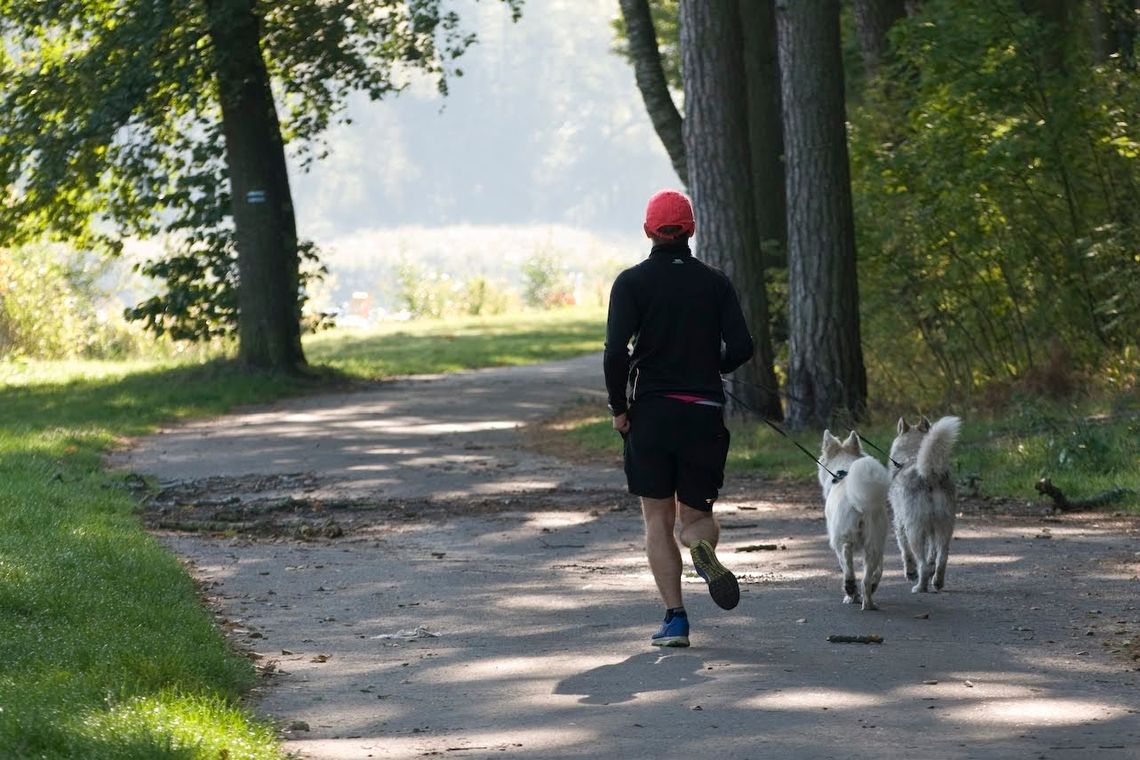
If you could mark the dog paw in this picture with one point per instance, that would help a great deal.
(869, 606)
(850, 600)
(917, 589)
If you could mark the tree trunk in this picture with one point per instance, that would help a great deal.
(766, 131)
(269, 328)
(873, 19)
(827, 382)
(720, 177)
(651, 82)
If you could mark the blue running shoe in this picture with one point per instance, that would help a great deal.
(723, 588)
(674, 632)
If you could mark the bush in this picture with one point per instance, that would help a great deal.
(45, 312)
(545, 284)
(995, 198)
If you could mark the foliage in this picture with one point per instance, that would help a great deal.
(41, 312)
(997, 185)
(545, 283)
(52, 307)
(106, 649)
(110, 124)
(482, 297)
(201, 298)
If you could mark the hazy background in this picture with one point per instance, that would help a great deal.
(542, 145)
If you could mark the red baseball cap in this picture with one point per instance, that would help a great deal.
(668, 209)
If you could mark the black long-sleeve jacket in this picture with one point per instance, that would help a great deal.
(677, 310)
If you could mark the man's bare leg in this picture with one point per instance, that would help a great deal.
(661, 548)
(700, 532)
(697, 525)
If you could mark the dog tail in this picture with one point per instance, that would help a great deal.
(867, 483)
(937, 445)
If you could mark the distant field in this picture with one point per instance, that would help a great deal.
(433, 346)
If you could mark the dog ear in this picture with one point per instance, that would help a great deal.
(902, 426)
(851, 443)
(830, 443)
(924, 425)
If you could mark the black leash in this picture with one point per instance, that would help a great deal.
(835, 476)
(762, 387)
(876, 448)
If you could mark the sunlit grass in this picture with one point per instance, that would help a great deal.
(96, 618)
(447, 345)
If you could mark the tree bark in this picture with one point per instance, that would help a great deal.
(873, 19)
(651, 82)
(766, 131)
(827, 381)
(269, 329)
(720, 177)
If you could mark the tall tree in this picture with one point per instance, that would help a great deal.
(873, 19)
(765, 128)
(652, 82)
(827, 381)
(260, 198)
(1114, 27)
(122, 119)
(720, 174)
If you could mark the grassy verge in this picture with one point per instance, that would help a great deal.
(105, 650)
(1085, 451)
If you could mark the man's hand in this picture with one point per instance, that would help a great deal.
(621, 423)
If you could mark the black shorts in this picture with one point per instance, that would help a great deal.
(676, 448)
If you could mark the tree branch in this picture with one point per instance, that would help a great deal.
(650, 76)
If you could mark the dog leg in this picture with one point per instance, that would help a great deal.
(872, 573)
(847, 561)
(909, 565)
(926, 570)
(940, 566)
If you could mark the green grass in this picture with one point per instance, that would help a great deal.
(432, 346)
(105, 650)
(1085, 451)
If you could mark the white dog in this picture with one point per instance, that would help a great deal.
(855, 496)
(923, 498)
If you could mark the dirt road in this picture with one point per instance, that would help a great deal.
(419, 585)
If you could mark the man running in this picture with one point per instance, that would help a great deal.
(687, 328)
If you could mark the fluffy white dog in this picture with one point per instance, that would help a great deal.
(855, 500)
(924, 499)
